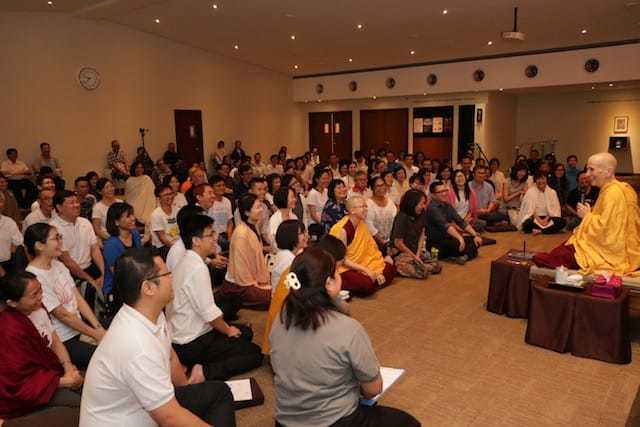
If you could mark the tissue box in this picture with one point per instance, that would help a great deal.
(601, 288)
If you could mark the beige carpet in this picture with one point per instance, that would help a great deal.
(466, 366)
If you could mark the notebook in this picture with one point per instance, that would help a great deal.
(389, 377)
(246, 392)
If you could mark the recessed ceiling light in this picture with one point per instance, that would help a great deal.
(424, 93)
(610, 84)
(445, 11)
(593, 87)
(295, 66)
(236, 47)
(157, 21)
(489, 42)
(289, 15)
(374, 97)
(359, 26)
(583, 31)
(50, 3)
(413, 52)
(350, 59)
(293, 37)
(214, 6)
(319, 100)
(501, 89)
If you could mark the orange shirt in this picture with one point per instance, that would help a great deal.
(277, 301)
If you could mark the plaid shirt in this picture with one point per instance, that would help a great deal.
(117, 157)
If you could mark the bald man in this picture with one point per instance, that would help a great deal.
(608, 238)
(364, 270)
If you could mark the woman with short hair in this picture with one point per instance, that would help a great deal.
(36, 370)
(107, 191)
(285, 201)
(381, 212)
(336, 207)
(291, 239)
(323, 360)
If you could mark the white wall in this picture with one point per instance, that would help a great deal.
(144, 78)
(581, 122)
(617, 63)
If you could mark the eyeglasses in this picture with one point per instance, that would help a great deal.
(204, 236)
(158, 276)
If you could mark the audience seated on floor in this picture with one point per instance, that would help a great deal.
(163, 223)
(285, 201)
(121, 226)
(489, 212)
(336, 206)
(408, 238)
(608, 238)
(584, 193)
(365, 269)
(540, 211)
(464, 199)
(291, 239)
(247, 274)
(10, 240)
(43, 213)
(107, 192)
(199, 333)
(71, 315)
(221, 212)
(381, 210)
(36, 371)
(139, 193)
(514, 190)
(136, 366)
(323, 359)
(443, 225)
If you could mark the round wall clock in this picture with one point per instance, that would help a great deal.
(89, 78)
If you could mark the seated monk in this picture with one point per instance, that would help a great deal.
(36, 370)
(608, 238)
(364, 269)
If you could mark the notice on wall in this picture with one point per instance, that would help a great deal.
(437, 125)
(417, 125)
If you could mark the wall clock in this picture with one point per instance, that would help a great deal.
(89, 78)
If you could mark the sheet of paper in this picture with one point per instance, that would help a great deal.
(389, 377)
(241, 389)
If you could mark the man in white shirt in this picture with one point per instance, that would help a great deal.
(257, 165)
(43, 183)
(163, 222)
(10, 239)
(273, 166)
(540, 210)
(43, 212)
(19, 176)
(199, 333)
(409, 167)
(334, 166)
(135, 377)
(360, 187)
(221, 213)
(81, 252)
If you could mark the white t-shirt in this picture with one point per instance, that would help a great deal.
(274, 223)
(41, 321)
(317, 200)
(193, 306)
(100, 211)
(175, 254)
(160, 221)
(129, 374)
(57, 290)
(221, 214)
(77, 238)
(462, 205)
(9, 235)
(380, 219)
(281, 262)
(179, 201)
(34, 217)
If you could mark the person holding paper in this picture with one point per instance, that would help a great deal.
(323, 359)
(540, 210)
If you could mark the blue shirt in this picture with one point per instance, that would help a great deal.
(113, 248)
(572, 177)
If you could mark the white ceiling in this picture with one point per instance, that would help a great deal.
(327, 35)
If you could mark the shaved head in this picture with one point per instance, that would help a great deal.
(354, 202)
(601, 168)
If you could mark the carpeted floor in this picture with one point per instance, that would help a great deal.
(466, 366)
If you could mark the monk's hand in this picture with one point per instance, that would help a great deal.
(583, 209)
(380, 280)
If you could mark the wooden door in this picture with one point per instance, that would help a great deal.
(466, 129)
(331, 133)
(189, 138)
(388, 129)
(342, 135)
(320, 134)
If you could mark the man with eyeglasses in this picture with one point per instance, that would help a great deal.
(135, 377)
(200, 335)
(441, 232)
(163, 221)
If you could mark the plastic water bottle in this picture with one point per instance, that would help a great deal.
(434, 254)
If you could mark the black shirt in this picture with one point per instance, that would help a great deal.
(408, 229)
(575, 196)
(439, 215)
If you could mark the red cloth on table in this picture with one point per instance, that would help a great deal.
(562, 255)
(29, 370)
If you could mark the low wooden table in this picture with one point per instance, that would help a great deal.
(569, 321)
(509, 287)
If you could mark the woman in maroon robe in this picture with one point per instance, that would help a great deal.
(35, 368)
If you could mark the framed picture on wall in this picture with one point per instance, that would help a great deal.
(621, 124)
